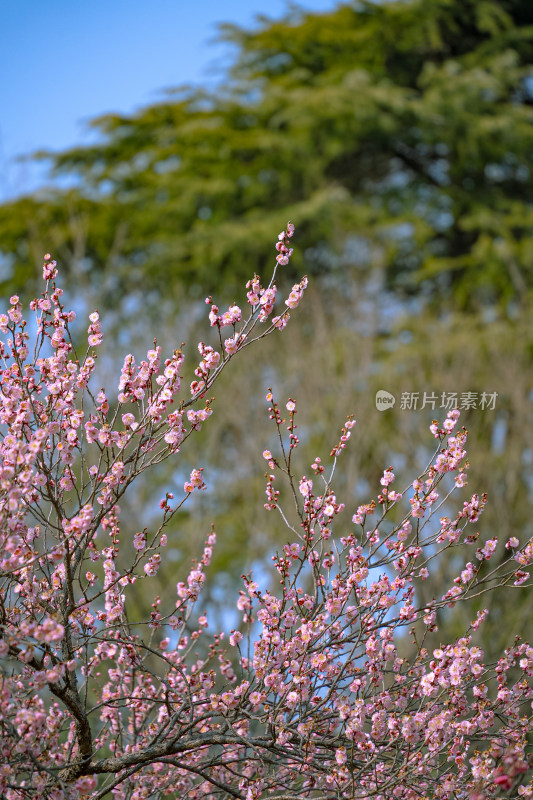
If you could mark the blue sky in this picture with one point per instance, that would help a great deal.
(63, 62)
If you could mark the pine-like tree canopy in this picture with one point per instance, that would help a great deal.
(400, 130)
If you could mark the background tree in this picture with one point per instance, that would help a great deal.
(406, 123)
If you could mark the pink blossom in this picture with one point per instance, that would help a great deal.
(281, 322)
(86, 784)
(388, 477)
(230, 346)
(196, 481)
(306, 486)
(268, 298)
(231, 316)
(139, 540)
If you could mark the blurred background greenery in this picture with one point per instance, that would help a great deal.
(398, 137)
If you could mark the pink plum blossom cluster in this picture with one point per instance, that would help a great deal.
(314, 694)
(262, 301)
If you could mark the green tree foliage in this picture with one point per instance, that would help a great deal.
(409, 122)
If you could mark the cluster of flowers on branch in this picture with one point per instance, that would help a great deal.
(310, 697)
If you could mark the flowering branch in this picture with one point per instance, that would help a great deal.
(317, 693)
